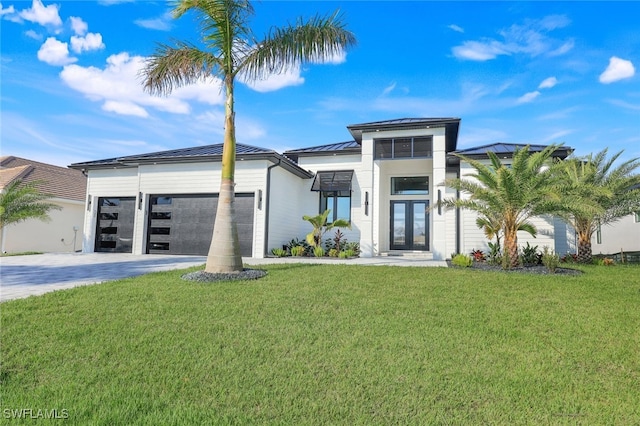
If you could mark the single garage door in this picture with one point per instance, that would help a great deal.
(183, 224)
(114, 232)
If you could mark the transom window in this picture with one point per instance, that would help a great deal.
(413, 185)
(397, 148)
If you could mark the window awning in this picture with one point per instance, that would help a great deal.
(333, 181)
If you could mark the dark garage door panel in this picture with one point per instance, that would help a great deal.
(114, 224)
(183, 224)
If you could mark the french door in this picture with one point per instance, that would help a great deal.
(409, 225)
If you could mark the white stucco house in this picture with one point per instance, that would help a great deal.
(386, 180)
(67, 187)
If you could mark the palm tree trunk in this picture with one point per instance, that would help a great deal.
(511, 248)
(585, 254)
(224, 253)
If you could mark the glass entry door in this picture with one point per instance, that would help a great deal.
(409, 225)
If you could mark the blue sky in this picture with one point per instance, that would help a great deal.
(521, 72)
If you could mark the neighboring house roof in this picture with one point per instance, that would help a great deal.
(340, 148)
(505, 150)
(59, 182)
(451, 124)
(203, 153)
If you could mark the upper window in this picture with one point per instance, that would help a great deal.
(392, 148)
(418, 185)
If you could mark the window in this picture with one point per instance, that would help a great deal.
(392, 148)
(598, 235)
(339, 202)
(418, 185)
(335, 193)
(637, 217)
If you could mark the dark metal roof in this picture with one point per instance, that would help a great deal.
(350, 147)
(506, 150)
(194, 154)
(451, 124)
(503, 150)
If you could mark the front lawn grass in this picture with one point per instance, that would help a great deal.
(332, 344)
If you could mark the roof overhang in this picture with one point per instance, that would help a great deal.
(335, 180)
(451, 125)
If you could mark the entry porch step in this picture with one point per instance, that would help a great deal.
(424, 255)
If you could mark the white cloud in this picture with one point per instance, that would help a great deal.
(548, 83)
(91, 41)
(389, 89)
(8, 10)
(34, 35)
(479, 51)
(528, 97)
(120, 89)
(456, 28)
(274, 82)
(55, 52)
(79, 26)
(528, 38)
(337, 58)
(125, 108)
(41, 14)
(162, 23)
(618, 69)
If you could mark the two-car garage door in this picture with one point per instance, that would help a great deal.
(183, 223)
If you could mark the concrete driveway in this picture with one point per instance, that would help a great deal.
(23, 276)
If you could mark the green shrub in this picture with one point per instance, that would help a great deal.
(298, 251)
(494, 257)
(529, 255)
(354, 247)
(333, 252)
(462, 260)
(550, 260)
(318, 251)
(346, 254)
(279, 252)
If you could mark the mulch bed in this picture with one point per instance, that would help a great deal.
(528, 269)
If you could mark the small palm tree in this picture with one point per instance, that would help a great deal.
(232, 51)
(507, 197)
(22, 201)
(321, 227)
(607, 192)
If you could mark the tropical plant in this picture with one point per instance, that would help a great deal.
(607, 192)
(478, 255)
(295, 242)
(509, 195)
(279, 252)
(231, 52)
(321, 227)
(529, 255)
(550, 260)
(318, 251)
(462, 260)
(20, 201)
(298, 251)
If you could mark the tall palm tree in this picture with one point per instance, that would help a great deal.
(21, 201)
(608, 193)
(231, 51)
(508, 196)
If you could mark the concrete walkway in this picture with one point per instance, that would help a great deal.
(24, 276)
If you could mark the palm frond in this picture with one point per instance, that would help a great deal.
(315, 40)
